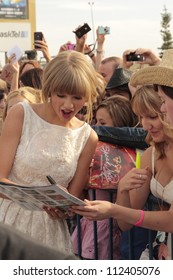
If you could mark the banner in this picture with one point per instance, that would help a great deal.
(14, 9)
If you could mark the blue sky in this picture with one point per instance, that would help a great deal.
(133, 23)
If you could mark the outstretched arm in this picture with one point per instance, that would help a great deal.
(99, 210)
(99, 49)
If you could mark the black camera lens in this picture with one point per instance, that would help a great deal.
(134, 57)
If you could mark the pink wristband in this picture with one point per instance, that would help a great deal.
(141, 218)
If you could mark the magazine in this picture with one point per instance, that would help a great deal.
(36, 197)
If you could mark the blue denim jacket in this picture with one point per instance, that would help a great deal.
(132, 137)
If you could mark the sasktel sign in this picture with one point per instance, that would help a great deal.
(15, 34)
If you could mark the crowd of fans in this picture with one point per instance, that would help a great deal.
(51, 128)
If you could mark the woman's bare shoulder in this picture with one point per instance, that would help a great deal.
(146, 157)
(17, 111)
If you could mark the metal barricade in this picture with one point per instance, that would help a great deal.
(150, 205)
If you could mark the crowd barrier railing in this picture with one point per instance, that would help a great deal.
(151, 204)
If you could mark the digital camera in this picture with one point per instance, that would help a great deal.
(31, 54)
(134, 57)
(82, 30)
(70, 46)
(103, 30)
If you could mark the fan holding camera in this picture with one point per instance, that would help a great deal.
(80, 44)
(88, 49)
(81, 36)
(67, 46)
(140, 56)
(100, 32)
(41, 45)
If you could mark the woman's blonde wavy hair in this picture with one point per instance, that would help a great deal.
(147, 102)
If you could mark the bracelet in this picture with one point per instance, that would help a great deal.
(141, 218)
(99, 52)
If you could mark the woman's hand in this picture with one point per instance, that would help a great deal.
(100, 39)
(149, 57)
(64, 47)
(95, 210)
(134, 179)
(127, 64)
(43, 47)
(55, 213)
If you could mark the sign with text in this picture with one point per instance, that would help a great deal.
(110, 163)
(15, 34)
(16, 9)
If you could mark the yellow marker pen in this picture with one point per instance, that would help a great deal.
(138, 159)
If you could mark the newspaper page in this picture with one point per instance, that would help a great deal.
(36, 197)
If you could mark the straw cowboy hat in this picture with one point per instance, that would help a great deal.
(161, 74)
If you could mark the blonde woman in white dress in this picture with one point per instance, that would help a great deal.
(47, 139)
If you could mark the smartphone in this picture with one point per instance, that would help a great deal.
(134, 57)
(38, 36)
(82, 30)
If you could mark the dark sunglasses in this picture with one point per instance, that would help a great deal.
(83, 111)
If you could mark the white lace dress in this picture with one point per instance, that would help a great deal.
(164, 193)
(44, 149)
